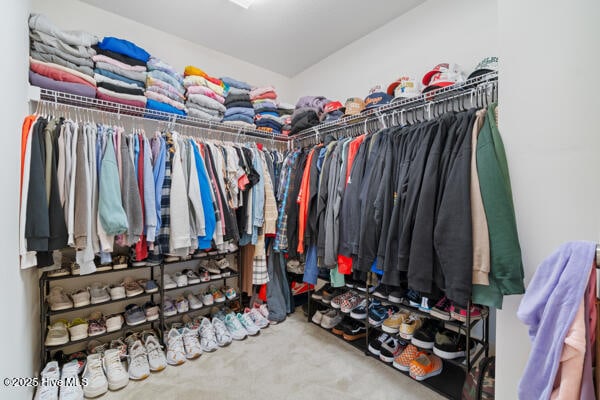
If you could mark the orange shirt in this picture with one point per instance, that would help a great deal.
(302, 200)
(27, 123)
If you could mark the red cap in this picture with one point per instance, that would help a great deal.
(332, 106)
(438, 68)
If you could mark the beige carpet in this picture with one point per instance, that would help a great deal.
(291, 360)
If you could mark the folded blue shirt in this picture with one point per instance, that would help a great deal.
(121, 78)
(240, 110)
(125, 47)
(164, 107)
(239, 117)
(235, 83)
(273, 113)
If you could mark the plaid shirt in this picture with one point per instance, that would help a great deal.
(162, 239)
(281, 243)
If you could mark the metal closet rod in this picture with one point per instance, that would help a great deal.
(188, 130)
(71, 100)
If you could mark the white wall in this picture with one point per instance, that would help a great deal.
(548, 119)
(18, 289)
(460, 31)
(73, 14)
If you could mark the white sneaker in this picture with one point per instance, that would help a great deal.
(117, 292)
(182, 305)
(78, 329)
(115, 372)
(114, 322)
(191, 344)
(49, 391)
(71, 389)
(93, 374)
(156, 356)
(257, 318)
(81, 297)
(138, 362)
(181, 279)
(58, 299)
(207, 299)
(208, 339)
(194, 301)
(99, 293)
(221, 333)
(168, 282)
(248, 324)
(192, 277)
(235, 327)
(57, 334)
(317, 317)
(175, 349)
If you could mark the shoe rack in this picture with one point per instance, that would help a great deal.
(450, 382)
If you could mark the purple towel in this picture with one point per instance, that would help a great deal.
(68, 87)
(549, 307)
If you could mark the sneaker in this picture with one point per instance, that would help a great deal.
(95, 379)
(257, 318)
(135, 262)
(318, 295)
(207, 299)
(139, 369)
(192, 278)
(217, 312)
(424, 337)
(134, 315)
(120, 262)
(182, 305)
(396, 295)
(331, 319)
(47, 389)
(212, 268)
(349, 281)
(170, 258)
(330, 293)
(99, 293)
(102, 266)
(96, 347)
(120, 345)
(204, 274)
(191, 344)
(154, 260)
(336, 302)
(264, 310)
(354, 331)
(317, 317)
(425, 366)
(230, 293)
(362, 286)
(63, 271)
(248, 324)
(413, 297)
(426, 304)
(175, 348)
(403, 360)
(300, 288)
(450, 345)
(70, 373)
(409, 326)
(375, 344)
(217, 295)
(156, 356)
(80, 357)
(390, 349)
(115, 372)
(132, 288)
(223, 263)
(379, 313)
(114, 322)
(169, 307)
(393, 322)
(78, 329)
(168, 282)
(341, 327)
(117, 292)
(382, 291)
(208, 339)
(148, 285)
(81, 297)
(235, 327)
(351, 302)
(195, 302)
(151, 311)
(131, 337)
(221, 333)
(460, 314)
(441, 309)
(58, 299)
(57, 333)
(75, 269)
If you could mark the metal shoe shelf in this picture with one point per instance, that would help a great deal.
(449, 383)
(46, 314)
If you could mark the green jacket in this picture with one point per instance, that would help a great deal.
(506, 265)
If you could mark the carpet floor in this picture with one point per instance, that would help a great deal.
(291, 360)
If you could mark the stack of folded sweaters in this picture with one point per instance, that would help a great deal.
(60, 60)
(239, 108)
(264, 101)
(121, 71)
(285, 112)
(164, 88)
(204, 94)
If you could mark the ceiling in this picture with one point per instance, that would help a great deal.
(284, 36)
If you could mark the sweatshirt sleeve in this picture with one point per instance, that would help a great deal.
(149, 195)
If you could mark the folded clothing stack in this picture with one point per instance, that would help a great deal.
(239, 110)
(307, 113)
(61, 60)
(267, 118)
(285, 112)
(120, 70)
(164, 88)
(204, 94)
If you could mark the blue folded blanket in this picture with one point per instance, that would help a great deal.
(125, 47)
(249, 112)
(239, 117)
(164, 107)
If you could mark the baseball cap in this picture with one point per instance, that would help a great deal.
(377, 97)
(442, 75)
(354, 105)
(485, 66)
(404, 87)
(332, 106)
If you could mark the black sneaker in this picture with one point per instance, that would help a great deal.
(450, 345)
(413, 297)
(397, 295)
(318, 295)
(377, 341)
(382, 291)
(154, 259)
(340, 328)
(424, 337)
(350, 282)
(354, 331)
(327, 295)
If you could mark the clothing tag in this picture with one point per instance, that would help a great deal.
(425, 302)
